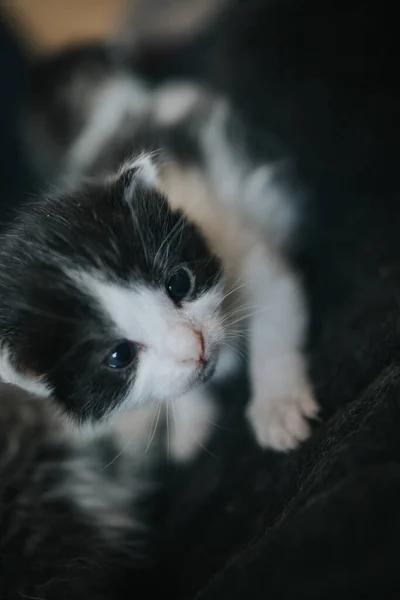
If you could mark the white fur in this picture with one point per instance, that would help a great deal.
(105, 492)
(8, 374)
(282, 399)
(120, 97)
(145, 171)
(252, 190)
(169, 347)
(231, 200)
(106, 503)
(192, 417)
(244, 199)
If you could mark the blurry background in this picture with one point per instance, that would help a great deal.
(47, 25)
(32, 29)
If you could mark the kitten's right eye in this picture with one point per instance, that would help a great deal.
(122, 356)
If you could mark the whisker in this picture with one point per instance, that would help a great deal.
(237, 351)
(168, 437)
(237, 288)
(205, 447)
(169, 237)
(173, 409)
(202, 445)
(237, 333)
(117, 456)
(250, 315)
(155, 427)
(217, 425)
(139, 229)
(23, 306)
(236, 311)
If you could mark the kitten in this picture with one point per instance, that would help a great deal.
(73, 522)
(137, 280)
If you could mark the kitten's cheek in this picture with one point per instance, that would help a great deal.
(215, 338)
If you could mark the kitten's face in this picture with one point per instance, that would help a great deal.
(108, 299)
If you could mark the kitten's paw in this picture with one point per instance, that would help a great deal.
(192, 422)
(282, 424)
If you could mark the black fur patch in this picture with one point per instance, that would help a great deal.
(52, 327)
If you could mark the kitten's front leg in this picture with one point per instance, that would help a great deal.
(190, 422)
(282, 399)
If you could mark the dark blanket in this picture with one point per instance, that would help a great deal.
(14, 71)
(322, 522)
(320, 80)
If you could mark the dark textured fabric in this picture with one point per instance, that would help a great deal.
(321, 80)
(15, 178)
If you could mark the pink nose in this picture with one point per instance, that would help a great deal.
(186, 344)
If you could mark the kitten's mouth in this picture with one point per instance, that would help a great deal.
(207, 368)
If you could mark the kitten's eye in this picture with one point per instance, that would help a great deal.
(179, 284)
(122, 355)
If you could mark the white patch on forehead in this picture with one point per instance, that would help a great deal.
(168, 360)
(136, 311)
(143, 314)
(9, 374)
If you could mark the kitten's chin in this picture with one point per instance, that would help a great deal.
(198, 377)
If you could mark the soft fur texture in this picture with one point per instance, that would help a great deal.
(73, 518)
(66, 264)
(321, 522)
(216, 211)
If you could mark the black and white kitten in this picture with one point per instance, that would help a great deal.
(136, 281)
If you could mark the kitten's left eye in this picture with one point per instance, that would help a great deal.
(122, 355)
(179, 285)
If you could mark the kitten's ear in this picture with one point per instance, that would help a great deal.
(140, 171)
(27, 380)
